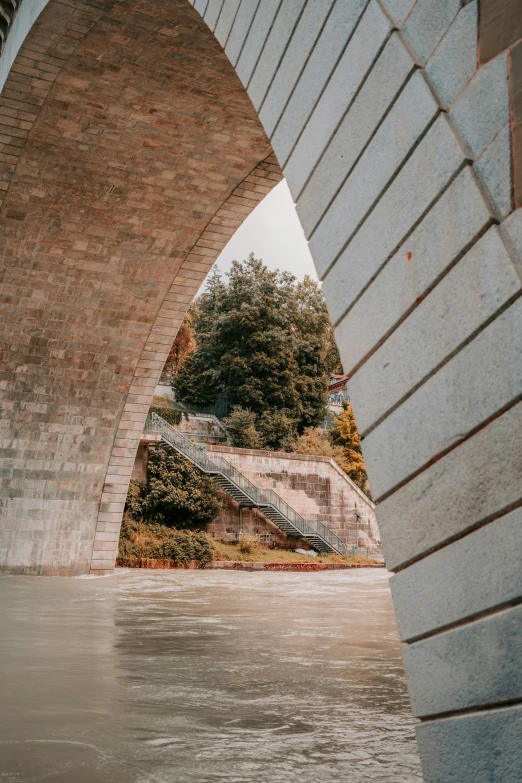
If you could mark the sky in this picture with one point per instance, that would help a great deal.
(273, 233)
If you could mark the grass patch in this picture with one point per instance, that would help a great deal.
(223, 551)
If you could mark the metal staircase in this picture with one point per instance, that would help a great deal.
(244, 492)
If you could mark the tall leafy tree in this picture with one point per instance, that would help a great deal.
(265, 340)
(344, 434)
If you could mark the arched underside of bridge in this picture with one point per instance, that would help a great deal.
(134, 138)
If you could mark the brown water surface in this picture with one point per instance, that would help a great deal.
(202, 677)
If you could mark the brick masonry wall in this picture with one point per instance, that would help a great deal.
(314, 486)
(121, 183)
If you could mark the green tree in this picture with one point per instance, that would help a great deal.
(176, 494)
(344, 433)
(265, 340)
(241, 429)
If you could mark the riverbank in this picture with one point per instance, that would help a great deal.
(243, 565)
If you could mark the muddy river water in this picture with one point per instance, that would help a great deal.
(203, 677)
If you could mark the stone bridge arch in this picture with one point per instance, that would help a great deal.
(398, 125)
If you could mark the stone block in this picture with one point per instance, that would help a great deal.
(441, 236)
(274, 49)
(454, 61)
(322, 62)
(511, 231)
(482, 379)
(255, 40)
(479, 572)
(427, 25)
(483, 108)
(469, 666)
(353, 66)
(295, 57)
(474, 483)
(471, 293)
(517, 164)
(494, 170)
(240, 28)
(425, 175)
(399, 10)
(212, 12)
(500, 26)
(481, 747)
(408, 119)
(226, 20)
(380, 89)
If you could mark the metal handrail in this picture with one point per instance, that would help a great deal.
(262, 498)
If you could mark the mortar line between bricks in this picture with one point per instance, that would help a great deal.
(500, 412)
(305, 4)
(460, 347)
(302, 70)
(502, 512)
(466, 620)
(402, 240)
(265, 40)
(418, 301)
(342, 119)
(481, 708)
(360, 155)
(384, 190)
(325, 85)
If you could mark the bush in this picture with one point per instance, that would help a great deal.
(171, 415)
(140, 539)
(176, 494)
(247, 544)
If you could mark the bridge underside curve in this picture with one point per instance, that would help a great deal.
(130, 154)
(398, 125)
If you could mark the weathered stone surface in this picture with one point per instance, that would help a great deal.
(517, 164)
(274, 48)
(476, 288)
(494, 170)
(212, 12)
(447, 586)
(380, 89)
(454, 61)
(469, 666)
(429, 170)
(427, 24)
(483, 108)
(299, 49)
(413, 111)
(224, 24)
(516, 83)
(500, 26)
(239, 29)
(477, 481)
(323, 59)
(484, 377)
(260, 26)
(337, 95)
(475, 748)
(511, 231)
(399, 10)
(438, 240)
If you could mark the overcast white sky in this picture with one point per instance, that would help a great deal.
(272, 232)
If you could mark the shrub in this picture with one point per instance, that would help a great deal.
(171, 415)
(176, 494)
(247, 544)
(140, 539)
